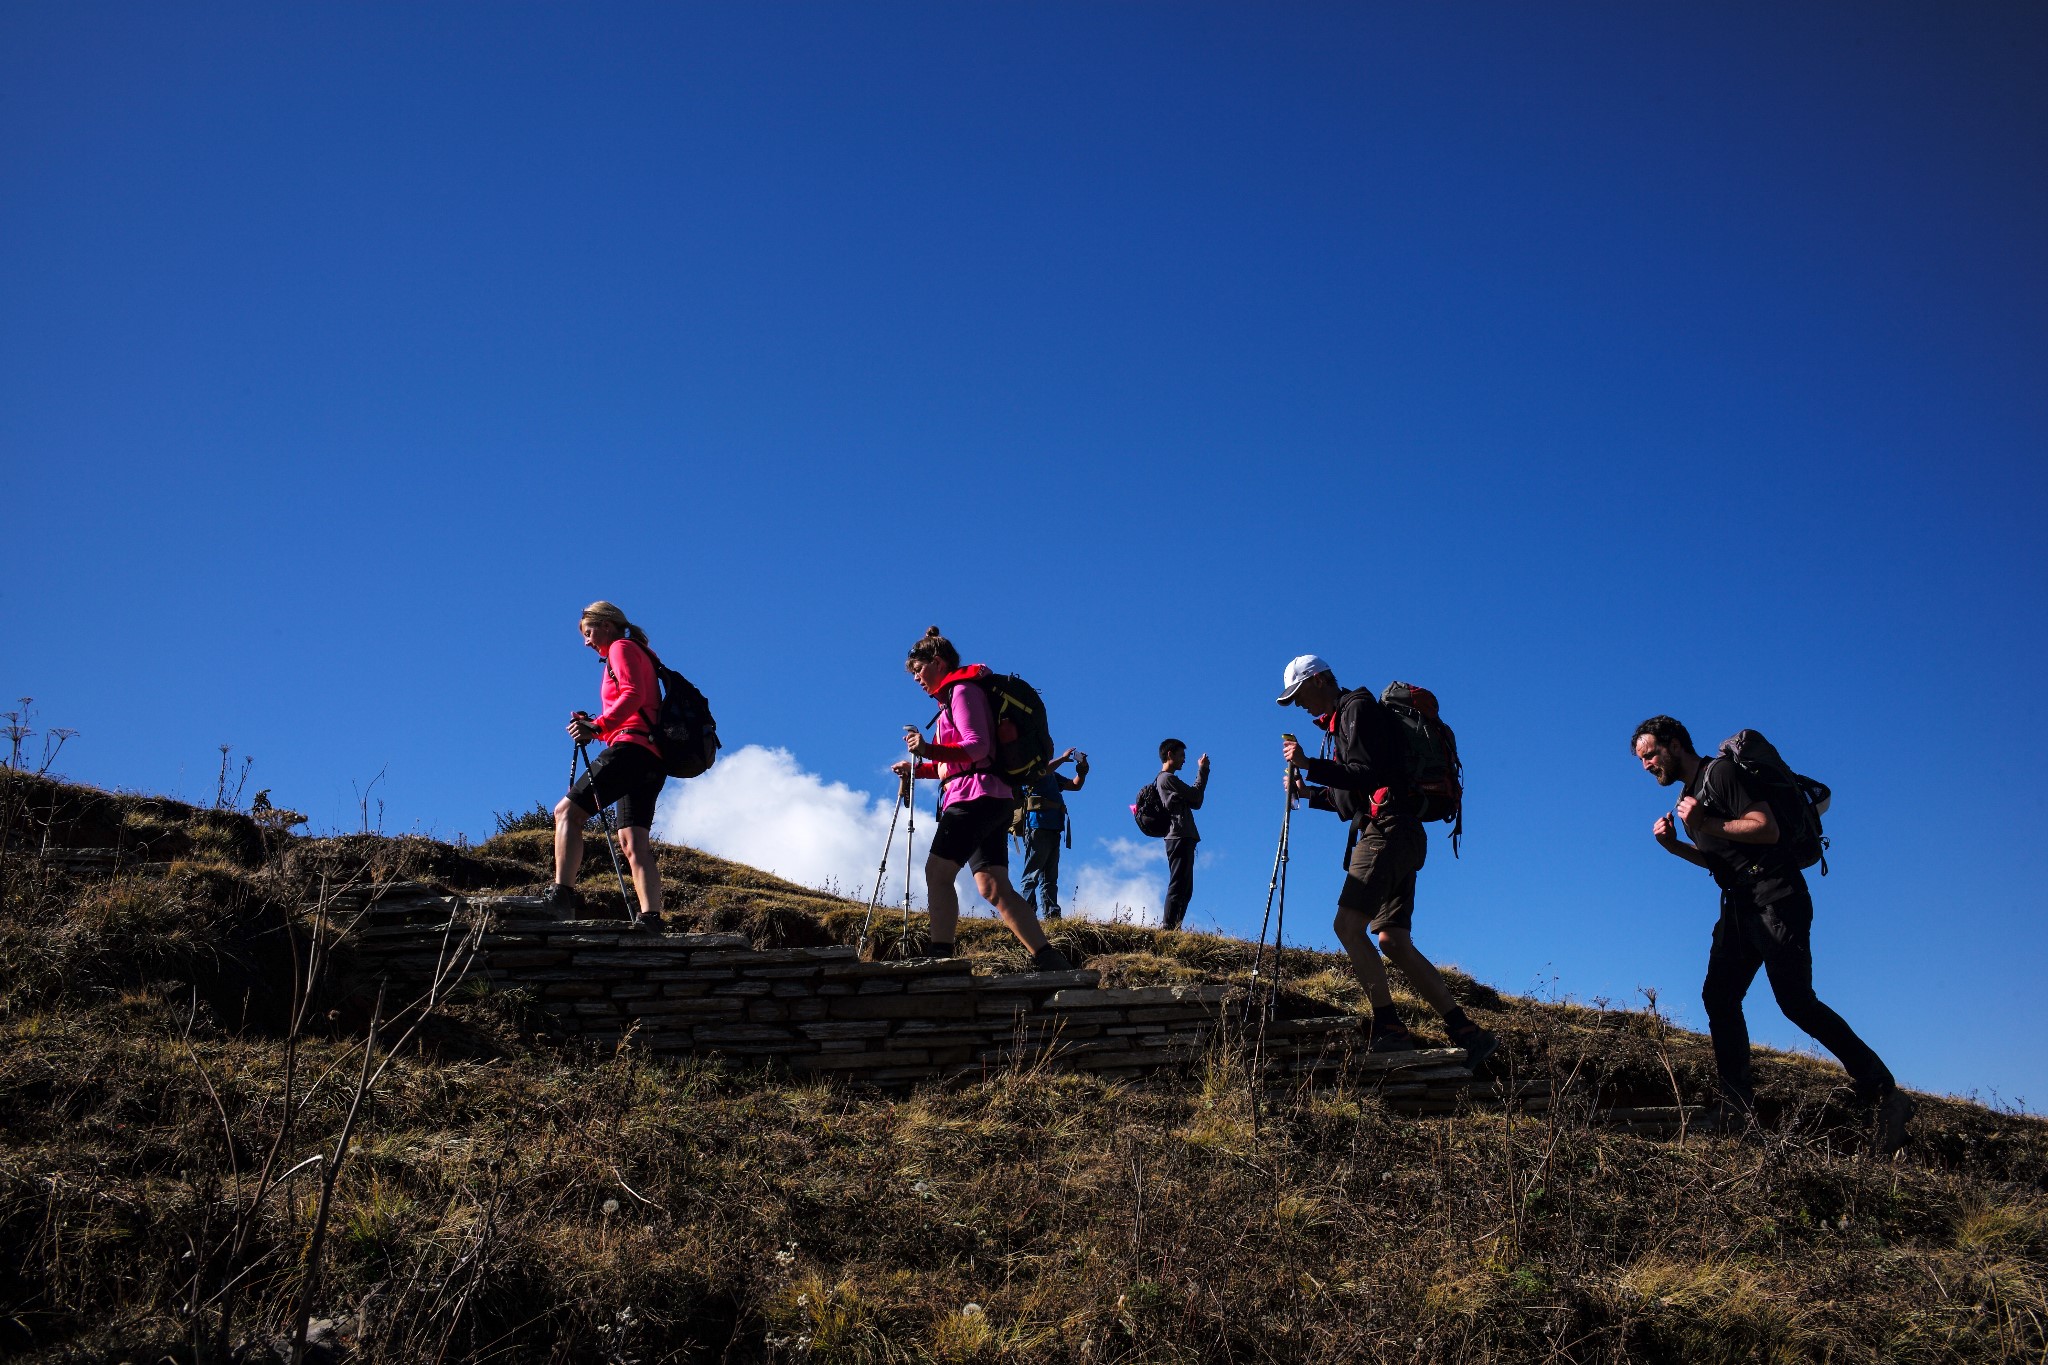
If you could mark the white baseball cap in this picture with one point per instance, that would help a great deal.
(1299, 671)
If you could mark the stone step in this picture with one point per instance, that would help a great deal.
(402, 932)
(1048, 982)
(1654, 1118)
(378, 891)
(79, 857)
(848, 967)
(1121, 997)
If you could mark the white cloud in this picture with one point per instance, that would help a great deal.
(1131, 887)
(758, 806)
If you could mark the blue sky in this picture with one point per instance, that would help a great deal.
(1580, 362)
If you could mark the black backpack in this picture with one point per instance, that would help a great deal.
(683, 728)
(1435, 773)
(1023, 739)
(1797, 802)
(1150, 812)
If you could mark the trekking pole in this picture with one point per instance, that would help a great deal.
(909, 842)
(1273, 885)
(875, 897)
(1276, 888)
(1280, 909)
(604, 816)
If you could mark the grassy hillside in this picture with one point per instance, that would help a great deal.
(505, 1198)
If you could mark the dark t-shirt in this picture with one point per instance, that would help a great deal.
(1754, 870)
(1181, 802)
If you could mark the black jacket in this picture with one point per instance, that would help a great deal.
(1367, 752)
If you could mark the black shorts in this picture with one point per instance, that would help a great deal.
(625, 773)
(975, 832)
(1379, 876)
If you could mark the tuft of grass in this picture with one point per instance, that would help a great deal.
(1999, 1226)
(1713, 1309)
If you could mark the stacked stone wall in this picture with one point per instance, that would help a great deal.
(822, 1011)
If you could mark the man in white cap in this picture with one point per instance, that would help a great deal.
(1365, 780)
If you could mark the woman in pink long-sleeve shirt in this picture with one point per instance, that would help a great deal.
(974, 803)
(628, 772)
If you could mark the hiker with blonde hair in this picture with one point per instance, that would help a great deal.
(627, 774)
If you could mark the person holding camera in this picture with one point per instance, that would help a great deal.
(1365, 780)
(1181, 802)
(627, 774)
(974, 803)
(1044, 822)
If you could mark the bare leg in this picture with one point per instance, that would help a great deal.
(1354, 931)
(994, 886)
(941, 899)
(1428, 984)
(569, 820)
(646, 870)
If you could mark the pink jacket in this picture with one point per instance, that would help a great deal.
(965, 725)
(631, 696)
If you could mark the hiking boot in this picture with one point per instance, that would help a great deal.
(1050, 959)
(651, 924)
(1053, 913)
(1894, 1111)
(1479, 1044)
(561, 900)
(1724, 1118)
(1393, 1037)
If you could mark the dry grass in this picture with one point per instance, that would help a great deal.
(511, 1202)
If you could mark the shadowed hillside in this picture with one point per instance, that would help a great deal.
(187, 1047)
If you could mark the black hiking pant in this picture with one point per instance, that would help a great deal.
(1180, 879)
(1777, 938)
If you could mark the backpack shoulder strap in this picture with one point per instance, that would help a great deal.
(987, 765)
(1700, 793)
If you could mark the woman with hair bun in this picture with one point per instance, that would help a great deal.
(974, 802)
(628, 773)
